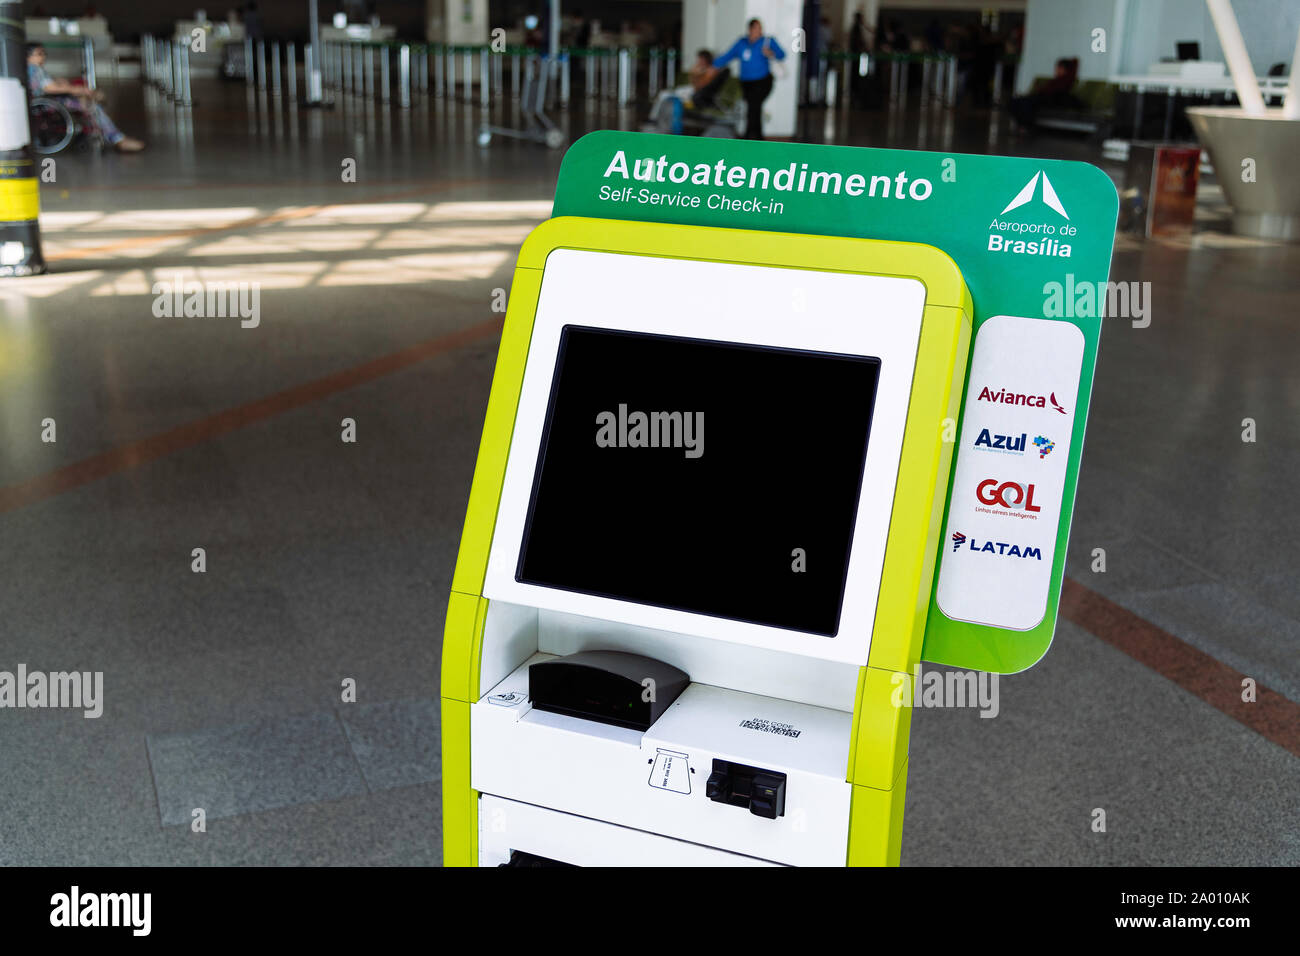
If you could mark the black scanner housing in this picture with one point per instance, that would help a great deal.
(606, 686)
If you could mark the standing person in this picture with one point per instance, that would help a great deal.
(252, 21)
(754, 51)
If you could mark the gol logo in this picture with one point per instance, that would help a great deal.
(1008, 494)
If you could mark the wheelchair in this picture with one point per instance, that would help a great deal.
(56, 125)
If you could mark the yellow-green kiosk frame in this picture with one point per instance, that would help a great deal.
(877, 764)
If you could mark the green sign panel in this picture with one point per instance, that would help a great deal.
(1033, 240)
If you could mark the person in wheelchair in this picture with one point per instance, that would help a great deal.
(78, 98)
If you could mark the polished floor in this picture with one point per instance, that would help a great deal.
(328, 563)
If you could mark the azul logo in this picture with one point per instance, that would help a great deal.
(1045, 446)
(1002, 548)
(1027, 194)
(1006, 494)
(1008, 444)
(1004, 397)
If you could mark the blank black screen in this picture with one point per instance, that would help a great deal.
(784, 443)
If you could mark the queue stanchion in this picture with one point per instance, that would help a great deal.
(468, 83)
(384, 84)
(498, 75)
(422, 70)
(178, 81)
(566, 78)
(439, 90)
(346, 53)
(368, 57)
(261, 65)
(997, 83)
(514, 74)
(88, 61)
(275, 68)
(624, 77)
(291, 66)
(20, 229)
(484, 78)
(184, 98)
(404, 76)
(450, 57)
(314, 71)
(670, 80)
(589, 75)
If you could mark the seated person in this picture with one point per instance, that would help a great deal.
(1056, 93)
(42, 84)
(706, 81)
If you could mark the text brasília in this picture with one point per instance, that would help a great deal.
(796, 177)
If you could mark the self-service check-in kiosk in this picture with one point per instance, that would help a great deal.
(700, 548)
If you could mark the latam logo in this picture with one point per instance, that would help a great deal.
(1006, 494)
(1009, 444)
(1002, 548)
(1004, 397)
(1026, 195)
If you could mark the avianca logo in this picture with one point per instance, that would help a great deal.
(1026, 194)
(1004, 397)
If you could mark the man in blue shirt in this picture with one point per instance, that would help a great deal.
(753, 51)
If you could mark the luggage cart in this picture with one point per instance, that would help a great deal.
(537, 126)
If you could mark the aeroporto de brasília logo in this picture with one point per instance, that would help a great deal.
(1027, 194)
(1029, 232)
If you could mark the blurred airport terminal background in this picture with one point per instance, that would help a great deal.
(362, 181)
